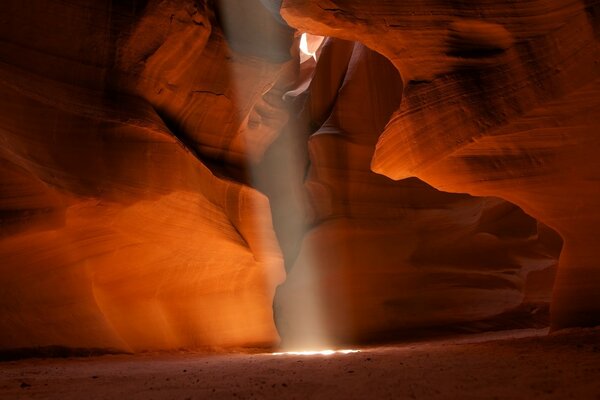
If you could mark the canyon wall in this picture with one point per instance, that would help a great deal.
(114, 233)
(499, 99)
(163, 163)
(386, 259)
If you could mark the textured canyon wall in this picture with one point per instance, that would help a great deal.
(385, 258)
(161, 160)
(114, 233)
(500, 98)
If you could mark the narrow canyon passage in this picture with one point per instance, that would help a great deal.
(180, 178)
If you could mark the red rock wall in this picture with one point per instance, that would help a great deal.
(384, 257)
(161, 159)
(114, 233)
(500, 99)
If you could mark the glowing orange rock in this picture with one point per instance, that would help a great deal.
(499, 100)
(114, 234)
(386, 257)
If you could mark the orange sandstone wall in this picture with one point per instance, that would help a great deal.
(114, 232)
(385, 258)
(500, 98)
(160, 161)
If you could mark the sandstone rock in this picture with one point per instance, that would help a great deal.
(215, 99)
(114, 234)
(499, 99)
(161, 159)
(386, 258)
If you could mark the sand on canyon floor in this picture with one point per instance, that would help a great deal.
(506, 365)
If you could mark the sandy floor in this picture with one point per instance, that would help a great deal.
(559, 366)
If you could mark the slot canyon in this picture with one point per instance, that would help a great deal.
(304, 199)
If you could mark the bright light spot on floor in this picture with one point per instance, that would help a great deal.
(316, 352)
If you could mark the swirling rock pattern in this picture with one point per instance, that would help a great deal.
(500, 99)
(161, 159)
(391, 257)
(114, 234)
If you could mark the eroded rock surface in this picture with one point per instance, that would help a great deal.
(383, 257)
(160, 161)
(114, 233)
(500, 99)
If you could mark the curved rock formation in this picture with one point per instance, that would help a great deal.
(161, 159)
(500, 99)
(114, 234)
(385, 258)
(216, 99)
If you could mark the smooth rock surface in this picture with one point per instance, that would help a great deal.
(385, 257)
(114, 234)
(164, 162)
(499, 99)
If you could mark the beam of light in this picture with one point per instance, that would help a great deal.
(328, 352)
(290, 171)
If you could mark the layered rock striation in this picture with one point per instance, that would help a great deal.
(162, 161)
(115, 234)
(384, 258)
(499, 99)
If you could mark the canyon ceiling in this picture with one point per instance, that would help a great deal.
(178, 174)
